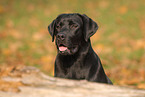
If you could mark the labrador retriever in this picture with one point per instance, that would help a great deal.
(76, 59)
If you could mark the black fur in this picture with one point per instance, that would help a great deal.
(76, 58)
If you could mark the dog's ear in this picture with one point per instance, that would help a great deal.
(51, 29)
(89, 27)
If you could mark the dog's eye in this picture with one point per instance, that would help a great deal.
(73, 26)
(58, 27)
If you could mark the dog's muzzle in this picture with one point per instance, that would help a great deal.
(65, 48)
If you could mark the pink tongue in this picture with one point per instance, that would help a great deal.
(62, 48)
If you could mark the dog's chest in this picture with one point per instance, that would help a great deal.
(75, 72)
(71, 70)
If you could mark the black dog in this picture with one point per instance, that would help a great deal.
(76, 58)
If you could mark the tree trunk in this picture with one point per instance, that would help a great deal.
(33, 83)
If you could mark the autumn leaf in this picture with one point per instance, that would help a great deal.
(141, 85)
(1, 9)
(123, 10)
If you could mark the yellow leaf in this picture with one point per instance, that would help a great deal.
(123, 9)
(141, 85)
(1, 9)
(6, 52)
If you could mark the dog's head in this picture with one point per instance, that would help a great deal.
(70, 30)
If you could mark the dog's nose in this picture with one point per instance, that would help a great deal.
(60, 36)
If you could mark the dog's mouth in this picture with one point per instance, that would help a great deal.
(63, 49)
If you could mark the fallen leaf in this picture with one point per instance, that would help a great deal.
(10, 86)
(1, 9)
(140, 44)
(38, 36)
(123, 9)
(6, 52)
(104, 4)
(141, 85)
(34, 22)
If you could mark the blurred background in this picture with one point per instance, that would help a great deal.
(120, 40)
